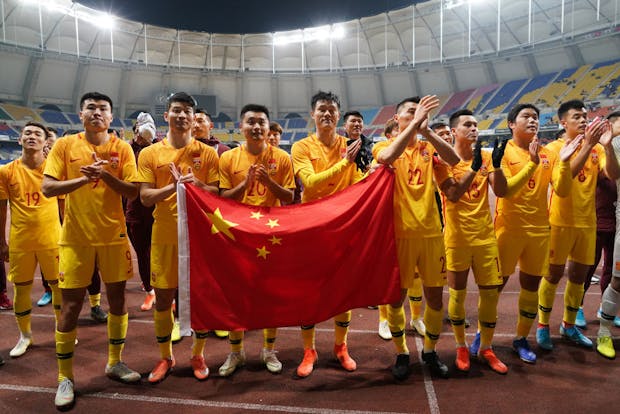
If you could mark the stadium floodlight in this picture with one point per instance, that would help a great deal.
(321, 33)
(102, 20)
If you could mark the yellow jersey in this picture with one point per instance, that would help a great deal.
(35, 224)
(94, 212)
(154, 168)
(323, 170)
(468, 220)
(415, 209)
(579, 208)
(234, 165)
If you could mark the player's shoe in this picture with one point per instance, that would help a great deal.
(475, 345)
(306, 366)
(384, 330)
(462, 362)
(580, 319)
(65, 398)
(21, 347)
(574, 334)
(437, 367)
(417, 325)
(605, 347)
(522, 347)
(400, 370)
(122, 373)
(98, 315)
(221, 334)
(269, 358)
(489, 357)
(342, 354)
(46, 298)
(149, 301)
(233, 361)
(543, 338)
(199, 366)
(161, 370)
(175, 335)
(5, 302)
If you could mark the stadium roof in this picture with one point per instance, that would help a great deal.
(244, 16)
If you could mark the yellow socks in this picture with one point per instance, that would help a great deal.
(163, 329)
(528, 301)
(235, 338)
(269, 338)
(198, 346)
(307, 335)
(396, 321)
(94, 300)
(546, 295)
(22, 306)
(341, 327)
(572, 300)
(432, 320)
(456, 312)
(65, 344)
(383, 312)
(117, 332)
(487, 315)
(415, 298)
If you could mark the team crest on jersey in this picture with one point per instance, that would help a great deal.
(544, 161)
(426, 156)
(196, 162)
(272, 166)
(343, 152)
(594, 157)
(114, 160)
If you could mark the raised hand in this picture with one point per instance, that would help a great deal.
(499, 146)
(353, 149)
(426, 105)
(93, 171)
(607, 136)
(261, 174)
(595, 130)
(534, 150)
(569, 148)
(477, 157)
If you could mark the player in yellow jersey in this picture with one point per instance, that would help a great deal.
(257, 174)
(35, 227)
(469, 238)
(325, 165)
(177, 158)
(522, 223)
(573, 220)
(419, 241)
(95, 170)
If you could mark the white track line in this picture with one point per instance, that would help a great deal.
(433, 404)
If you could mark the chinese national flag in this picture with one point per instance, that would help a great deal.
(247, 267)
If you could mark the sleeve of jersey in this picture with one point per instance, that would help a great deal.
(519, 179)
(212, 162)
(4, 180)
(562, 179)
(130, 172)
(442, 172)
(305, 170)
(146, 172)
(289, 177)
(224, 168)
(54, 165)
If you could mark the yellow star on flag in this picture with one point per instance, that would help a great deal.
(221, 224)
(272, 223)
(256, 215)
(262, 252)
(274, 240)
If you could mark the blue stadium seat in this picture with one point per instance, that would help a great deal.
(54, 117)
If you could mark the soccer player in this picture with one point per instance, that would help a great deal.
(443, 131)
(178, 158)
(201, 130)
(275, 134)
(95, 170)
(354, 127)
(325, 165)
(35, 227)
(573, 220)
(419, 240)
(256, 174)
(469, 238)
(521, 221)
(611, 297)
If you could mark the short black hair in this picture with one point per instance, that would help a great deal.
(352, 113)
(36, 124)
(70, 132)
(203, 111)
(414, 99)
(435, 126)
(96, 96)
(182, 97)
(612, 116)
(568, 105)
(559, 134)
(52, 129)
(275, 127)
(325, 96)
(254, 108)
(454, 118)
(516, 110)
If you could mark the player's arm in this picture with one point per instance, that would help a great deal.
(238, 191)
(190, 178)
(594, 132)
(562, 178)
(150, 195)
(51, 187)
(4, 247)
(124, 188)
(498, 181)
(517, 181)
(612, 168)
(305, 170)
(453, 188)
(285, 195)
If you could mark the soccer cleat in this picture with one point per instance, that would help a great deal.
(122, 373)
(22, 346)
(400, 370)
(221, 334)
(233, 361)
(437, 367)
(574, 334)
(269, 358)
(475, 345)
(522, 348)
(175, 335)
(543, 338)
(417, 325)
(605, 347)
(46, 298)
(98, 315)
(199, 366)
(342, 354)
(161, 370)
(384, 330)
(65, 398)
(580, 319)
(462, 359)
(5, 302)
(489, 357)
(306, 366)
(149, 301)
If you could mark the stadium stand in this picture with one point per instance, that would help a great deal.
(456, 102)
(480, 96)
(532, 90)
(503, 96)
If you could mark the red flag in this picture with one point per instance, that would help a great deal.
(260, 267)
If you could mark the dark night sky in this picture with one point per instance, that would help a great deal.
(244, 16)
